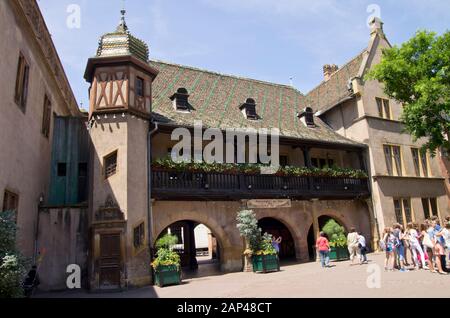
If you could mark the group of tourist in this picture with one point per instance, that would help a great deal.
(426, 245)
(356, 243)
(420, 246)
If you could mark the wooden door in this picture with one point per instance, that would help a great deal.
(110, 259)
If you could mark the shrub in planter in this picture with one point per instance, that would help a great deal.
(167, 262)
(266, 259)
(338, 240)
(260, 253)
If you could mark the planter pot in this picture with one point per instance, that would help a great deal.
(265, 263)
(167, 275)
(339, 254)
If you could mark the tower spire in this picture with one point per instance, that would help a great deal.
(122, 24)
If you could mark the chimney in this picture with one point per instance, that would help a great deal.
(328, 70)
(376, 26)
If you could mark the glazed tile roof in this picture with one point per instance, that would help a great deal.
(329, 93)
(215, 99)
(122, 42)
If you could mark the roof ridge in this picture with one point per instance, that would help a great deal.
(340, 69)
(228, 75)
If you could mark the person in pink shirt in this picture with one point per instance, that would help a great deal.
(323, 247)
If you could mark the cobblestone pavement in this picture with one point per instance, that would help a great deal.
(298, 281)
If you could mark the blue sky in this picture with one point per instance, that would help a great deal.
(271, 40)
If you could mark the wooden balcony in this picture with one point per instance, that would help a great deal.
(169, 185)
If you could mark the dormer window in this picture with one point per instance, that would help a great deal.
(181, 100)
(307, 117)
(249, 109)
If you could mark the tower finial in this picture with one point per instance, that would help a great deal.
(122, 25)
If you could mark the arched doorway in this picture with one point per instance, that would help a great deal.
(198, 247)
(277, 229)
(312, 237)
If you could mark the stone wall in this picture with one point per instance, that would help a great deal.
(63, 239)
(220, 218)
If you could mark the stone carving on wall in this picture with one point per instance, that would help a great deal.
(110, 211)
(269, 204)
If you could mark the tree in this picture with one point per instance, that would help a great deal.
(335, 233)
(12, 263)
(417, 74)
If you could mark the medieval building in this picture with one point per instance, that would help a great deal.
(85, 190)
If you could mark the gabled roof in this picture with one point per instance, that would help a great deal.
(215, 100)
(332, 92)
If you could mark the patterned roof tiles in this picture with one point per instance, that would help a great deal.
(215, 99)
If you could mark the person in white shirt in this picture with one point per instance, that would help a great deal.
(352, 243)
(415, 246)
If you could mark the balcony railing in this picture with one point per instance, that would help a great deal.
(169, 185)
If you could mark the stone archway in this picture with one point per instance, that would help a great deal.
(278, 229)
(312, 236)
(189, 257)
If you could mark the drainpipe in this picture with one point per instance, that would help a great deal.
(151, 133)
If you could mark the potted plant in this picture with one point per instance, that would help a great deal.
(337, 239)
(259, 255)
(266, 259)
(167, 262)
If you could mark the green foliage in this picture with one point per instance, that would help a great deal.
(259, 244)
(266, 247)
(247, 225)
(166, 256)
(417, 74)
(12, 263)
(255, 169)
(335, 233)
(12, 273)
(167, 241)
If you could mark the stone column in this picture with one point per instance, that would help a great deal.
(316, 226)
(190, 247)
(373, 225)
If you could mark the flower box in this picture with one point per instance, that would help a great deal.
(265, 263)
(167, 275)
(339, 254)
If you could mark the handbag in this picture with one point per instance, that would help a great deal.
(427, 241)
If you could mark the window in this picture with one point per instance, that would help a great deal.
(322, 163)
(249, 109)
(139, 87)
(420, 159)
(46, 117)
(384, 108)
(308, 114)
(430, 207)
(415, 156)
(62, 169)
(284, 161)
(10, 201)
(403, 212)
(139, 235)
(393, 158)
(424, 162)
(110, 164)
(21, 91)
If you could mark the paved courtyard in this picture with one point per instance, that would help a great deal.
(298, 281)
